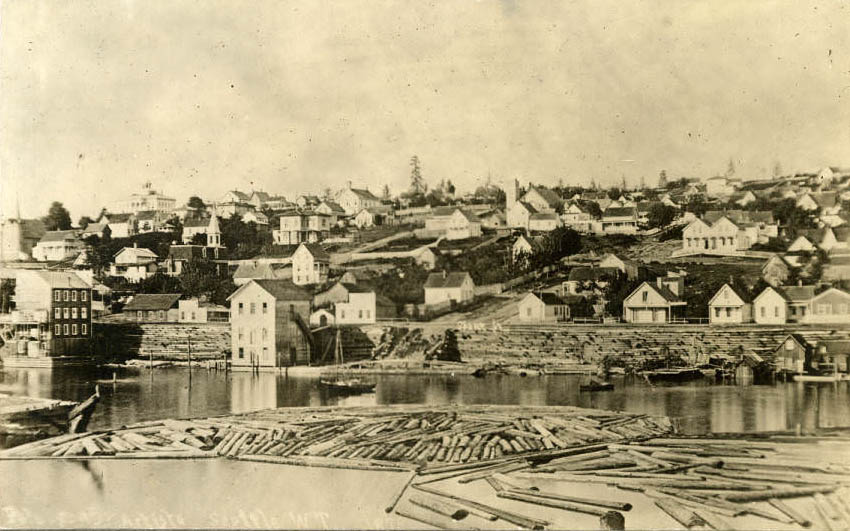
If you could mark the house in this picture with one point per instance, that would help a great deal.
(134, 264)
(353, 200)
(727, 306)
(373, 217)
(837, 269)
(576, 217)
(542, 307)
(121, 225)
(542, 199)
(146, 200)
(179, 256)
(310, 264)
(269, 325)
(248, 270)
(743, 198)
(829, 174)
(359, 308)
(630, 268)
(234, 202)
(278, 202)
(798, 301)
(255, 217)
(258, 199)
(57, 245)
(307, 202)
(770, 306)
(332, 209)
(776, 270)
(151, 221)
(321, 317)
(620, 220)
(197, 311)
(525, 246)
(493, 219)
(721, 186)
(453, 222)
(835, 239)
(658, 302)
(153, 308)
(426, 257)
(587, 278)
(444, 287)
(304, 226)
(802, 244)
(52, 316)
(791, 355)
(543, 222)
(727, 233)
(101, 230)
(209, 227)
(519, 215)
(829, 307)
(18, 237)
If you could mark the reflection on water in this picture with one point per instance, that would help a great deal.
(700, 407)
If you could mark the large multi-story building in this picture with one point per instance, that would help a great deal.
(269, 325)
(57, 245)
(298, 227)
(310, 265)
(353, 200)
(148, 199)
(52, 316)
(727, 232)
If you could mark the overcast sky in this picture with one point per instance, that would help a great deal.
(97, 97)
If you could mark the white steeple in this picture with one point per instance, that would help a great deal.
(213, 231)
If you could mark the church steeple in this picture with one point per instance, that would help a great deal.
(213, 231)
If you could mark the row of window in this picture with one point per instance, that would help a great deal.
(253, 353)
(241, 335)
(70, 313)
(252, 308)
(70, 330)
(152, 314)
(359, 314)
(69, 294)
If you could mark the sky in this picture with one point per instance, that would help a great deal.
(199, 97)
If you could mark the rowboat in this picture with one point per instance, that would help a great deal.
(24, 418)
(596, 386)
(348, 385)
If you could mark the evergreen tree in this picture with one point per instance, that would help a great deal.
(57, 217)
(417, 183)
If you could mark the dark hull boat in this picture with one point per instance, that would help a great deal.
(24, 419)
(349, 385)
(674, 375)
(596, 386)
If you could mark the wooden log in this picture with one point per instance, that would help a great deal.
(613, 521)
(765, 495)
(514, 518)
(714, 520)
(501, 469)
(445, 508)
(495, 483)
(389, 508)
(828, 508)
(680, 513)
(790, 512)
(830, 524)
(686, 458)
(426, 517)
(619, 506)
(547, 502)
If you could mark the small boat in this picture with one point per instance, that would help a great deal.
(24, 419)
(596, 386)
(674, 375)
(348, 385)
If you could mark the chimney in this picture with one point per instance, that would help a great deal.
(349, 185)
(799, 283)
(444, 273)
(135, 245)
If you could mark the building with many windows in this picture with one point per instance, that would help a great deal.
(310, 265)
(148, 199)
(298, 227)
(269, 325)
(57, 245)
(52, 316)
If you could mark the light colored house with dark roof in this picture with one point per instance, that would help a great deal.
(444, 287)
(659, 302)
(727, 232)
(18, 237)
(57, 245)
(353, 200)
(776, 270)
(134, 264)
(373, 217)
(269, 325)
(727, 306)
(310, 264)
(121, 225)
(620, 220)
(542, 307)
(542, 199)
(153, 307)
(304, 226)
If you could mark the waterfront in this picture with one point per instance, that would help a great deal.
(698, 407)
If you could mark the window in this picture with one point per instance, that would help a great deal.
(265, 307)
(241, 353)
(83, 295)
(240, 308)
(140, 315)
(360, 314)
(84, 329)
(65, 330)
(193, 316)
(56, 296)
(368, 314)
(253, 308)
(182, 316)
(528, 312)
(58, 330)
(251, 337)
(776, 311)
(241, 333)
(161, 315)
(65, 296)
(73, 313)
(645, 296)
(265, 334)
(84, 313)
(65, 312)
(265, 353)
(57, 313)
(717, 312)
(73, 329)
(763, 311)
(793, 310)
(74, 295)
(342, 314)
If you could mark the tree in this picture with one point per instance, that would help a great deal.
(57, 217)
(84, 222)
(386, 192)
(417, 183)
(614, 193)
(327, 194)
(730, 168)
(196, 202)
(777, 169)
(450, 188)
(662, 179)
(593, 209)
(660, 215)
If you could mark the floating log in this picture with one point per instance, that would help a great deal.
(389, 508)
(620, 506)
(766, 495)
(421, 515)
(514, 518)
(547, 502)
(453, 511)
(713, 520)
(680, 513)
(790, 512)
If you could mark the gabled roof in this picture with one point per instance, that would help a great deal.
(618, 212)
(315, 250)
(152, 301)
(256, 270)
(665, 293)
(59, 236)
(446, 280)
(196, 222)
(588, 273)
(333, 206)
(145, 215)
(797, 293)
(93, 228)
(282, 290)
(445, 211)
(831, 290)
(529, 208)
(356, 288)
(776, 258)
(835, 347)
(548, 298)
(117, 218)
(364, 194)
(739, 217)
(185, 252)
(262, 196)
(138, 252)
(61, 279)
(741, 299)
(242, 196)
(545, 216)
(550, 196)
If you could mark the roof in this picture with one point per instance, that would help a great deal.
(117, 218)
(446, 280)
(744, 300)
(316, 250)
(139, 252)
(616, 212)
(92, 228)
(841, 234)
(835, 347)
(262, 196)
(797, 293)
(364, 194)
(152, 301)
(242, 196)
(281, 290)
(196, 222)
(255, 270)
(548, 298)
(550, 196)
(445, 211)
(544, 215)
(586, 273)
(62, 279)
(738, 217)
(59, 236)
(825, 199)
(333, 206)
(146, 214)
(528, 207)
(355, 288)
(185, 252)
